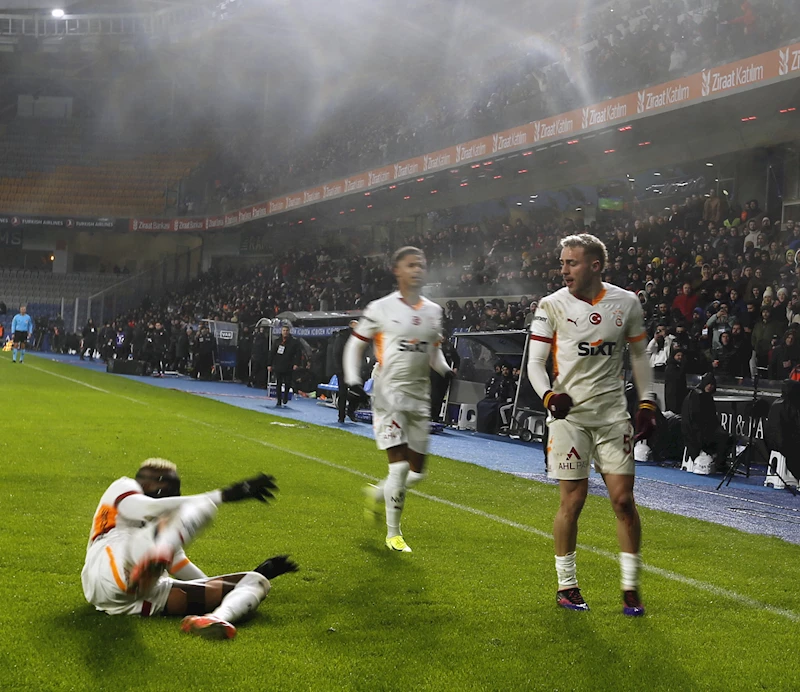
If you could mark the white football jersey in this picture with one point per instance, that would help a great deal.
(404, 338)
(106, 516)
(587, 342)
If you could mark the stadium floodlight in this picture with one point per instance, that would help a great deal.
(57, 13)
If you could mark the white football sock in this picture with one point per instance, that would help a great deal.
(629, 565)
(186, 523)
(566, 571)
(394, 494)
(246, 596)
(414, 478)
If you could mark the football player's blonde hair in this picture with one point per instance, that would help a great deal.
(158, 463)
(591, 244)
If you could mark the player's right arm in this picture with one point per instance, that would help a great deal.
(139, 507)
(542, 336)
(136, 506)
(368, 326)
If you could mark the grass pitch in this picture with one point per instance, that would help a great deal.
(471, 608)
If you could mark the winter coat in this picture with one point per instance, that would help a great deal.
(782, 432)
(284, 359)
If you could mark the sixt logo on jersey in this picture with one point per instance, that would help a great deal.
(413, 346)
(596, 348)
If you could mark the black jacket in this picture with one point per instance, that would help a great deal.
(204, 345)
(259, 351)
(339, 342)
(699, 422)
(183, 346)
(244, 349)
(782, 432)
(780, 354)
(283, 360)
(675, 389)
(160, 340)
(89, 333)
(500, 388)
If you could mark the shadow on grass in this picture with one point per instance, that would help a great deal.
(391, 590)
(105, 642)
(626, 654)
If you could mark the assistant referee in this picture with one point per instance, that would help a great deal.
(21, 331)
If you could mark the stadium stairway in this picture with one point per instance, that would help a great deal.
(746, 504)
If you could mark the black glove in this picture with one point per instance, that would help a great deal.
(449, 376)
(275, 566)
(258, 488)
(356, 393)
(558, 404)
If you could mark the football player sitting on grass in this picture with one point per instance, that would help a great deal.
(138, 534)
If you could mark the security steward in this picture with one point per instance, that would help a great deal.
(284, 360)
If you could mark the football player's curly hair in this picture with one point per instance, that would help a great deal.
(592, 247)
(158, 464)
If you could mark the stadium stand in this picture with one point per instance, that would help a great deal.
(623, 47)
(64, 168)
(18, 286)
(513, 266)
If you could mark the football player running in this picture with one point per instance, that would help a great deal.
(138, 534)
(405, 330)
(584, 327)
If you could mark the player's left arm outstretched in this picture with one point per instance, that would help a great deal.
(636, 336)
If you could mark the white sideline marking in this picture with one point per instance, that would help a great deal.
(86, 384)
(70, 379)
(664, 573)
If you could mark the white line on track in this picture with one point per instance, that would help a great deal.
(658, 571)
(716, 493)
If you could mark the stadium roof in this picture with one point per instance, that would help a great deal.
(84, 6)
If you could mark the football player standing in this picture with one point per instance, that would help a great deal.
(584, 327)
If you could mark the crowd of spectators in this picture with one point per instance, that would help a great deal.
(641, 43)
(718, 284)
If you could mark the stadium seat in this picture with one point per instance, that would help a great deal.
(778, 476)
(536, 423)
(467, 417)
(46, 169)
(687, 464)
